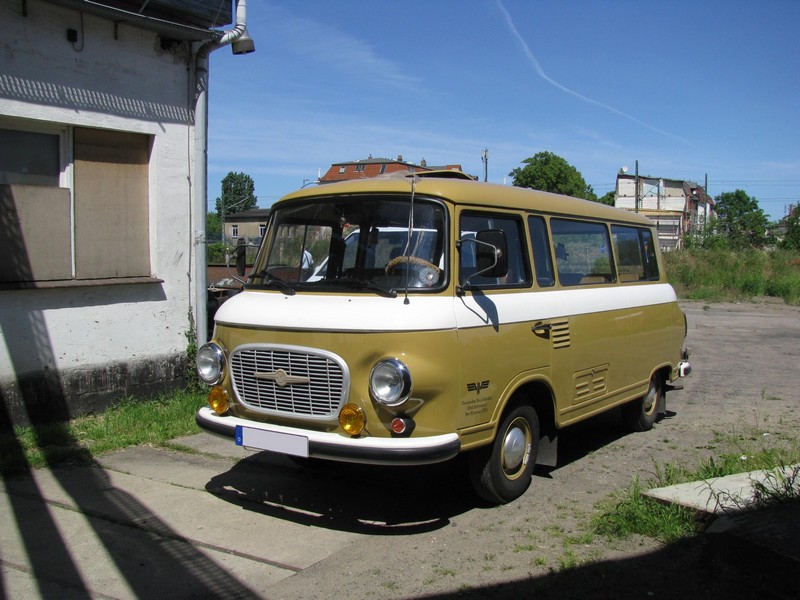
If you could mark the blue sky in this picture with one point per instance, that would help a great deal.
(687, 88)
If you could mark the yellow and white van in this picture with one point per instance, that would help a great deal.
(406, 320)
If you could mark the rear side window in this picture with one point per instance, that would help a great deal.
(583, 252)
(518, 271)
(636, 258)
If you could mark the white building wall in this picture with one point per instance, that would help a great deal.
(625, 194)
(109, 338)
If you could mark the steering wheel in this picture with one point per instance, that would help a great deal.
(421, 273)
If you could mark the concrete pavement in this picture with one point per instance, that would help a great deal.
(146, 523)
(142, 524)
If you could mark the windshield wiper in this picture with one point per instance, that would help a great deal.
(270, 281)
(361, 284)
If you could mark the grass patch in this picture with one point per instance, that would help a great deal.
(629, 512)
(724, 275)
(131, 422)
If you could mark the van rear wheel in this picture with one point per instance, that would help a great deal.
(501, 471)
(641, 414)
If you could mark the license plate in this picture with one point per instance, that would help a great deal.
(285, 443)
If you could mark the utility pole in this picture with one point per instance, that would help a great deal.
(636, 195)
(485, 160)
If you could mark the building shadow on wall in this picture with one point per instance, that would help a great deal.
(155, 562)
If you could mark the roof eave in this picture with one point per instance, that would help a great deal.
(164, 28)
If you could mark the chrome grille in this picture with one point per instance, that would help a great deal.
(290, 381)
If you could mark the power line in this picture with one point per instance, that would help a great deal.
(757, 181)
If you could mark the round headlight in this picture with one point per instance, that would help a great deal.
(390, 382)
(210, 363)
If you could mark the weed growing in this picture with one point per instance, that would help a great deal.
(726, 275)
(778, 486)
(129, 423)
(629, 512)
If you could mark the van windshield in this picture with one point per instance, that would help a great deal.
(358, 243)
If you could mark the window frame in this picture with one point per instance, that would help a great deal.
(477, 283)
(64, 133)
(591, 276)
(543, 265)
(69, 277)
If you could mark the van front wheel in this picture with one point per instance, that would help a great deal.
(641, 414)
(501, 471)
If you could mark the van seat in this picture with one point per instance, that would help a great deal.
(594, 279)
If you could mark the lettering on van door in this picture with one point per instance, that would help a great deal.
(475, 406)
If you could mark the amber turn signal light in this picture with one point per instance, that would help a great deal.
(218, 400)
(352, 419)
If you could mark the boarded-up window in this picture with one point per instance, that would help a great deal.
(34, 233)
(111, 204)
(99, 229)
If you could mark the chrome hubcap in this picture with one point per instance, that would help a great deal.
(649, 401)
(515, 447)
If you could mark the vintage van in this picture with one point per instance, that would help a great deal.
(407, 320)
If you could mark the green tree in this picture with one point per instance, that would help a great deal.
(550, 173)
(608, 198)
(213, 226)
(740, 221)
(238, 194)
(791, 241)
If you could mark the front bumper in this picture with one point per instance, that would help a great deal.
(332, 446)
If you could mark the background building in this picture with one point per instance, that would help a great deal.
(677, 207)
(373, 167)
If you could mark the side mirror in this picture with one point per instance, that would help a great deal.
(492, 253)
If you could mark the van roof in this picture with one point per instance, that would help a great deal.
(466, 191)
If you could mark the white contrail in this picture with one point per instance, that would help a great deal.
(554, 83)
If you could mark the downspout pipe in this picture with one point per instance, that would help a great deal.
(242, 44)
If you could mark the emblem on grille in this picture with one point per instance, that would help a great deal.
(282, 378)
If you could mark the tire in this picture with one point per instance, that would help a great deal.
(642, 413)
(501, 471)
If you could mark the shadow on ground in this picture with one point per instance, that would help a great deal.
(349, 497)
(700, 568)
(379, 500)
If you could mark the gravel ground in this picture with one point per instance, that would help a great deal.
(424, 534)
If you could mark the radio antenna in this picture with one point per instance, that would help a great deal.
(410, 232)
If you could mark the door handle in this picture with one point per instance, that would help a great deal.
(542, 328)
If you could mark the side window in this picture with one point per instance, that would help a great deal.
(630, 255)
(518, 270)
(583, 252)
(542, 258)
